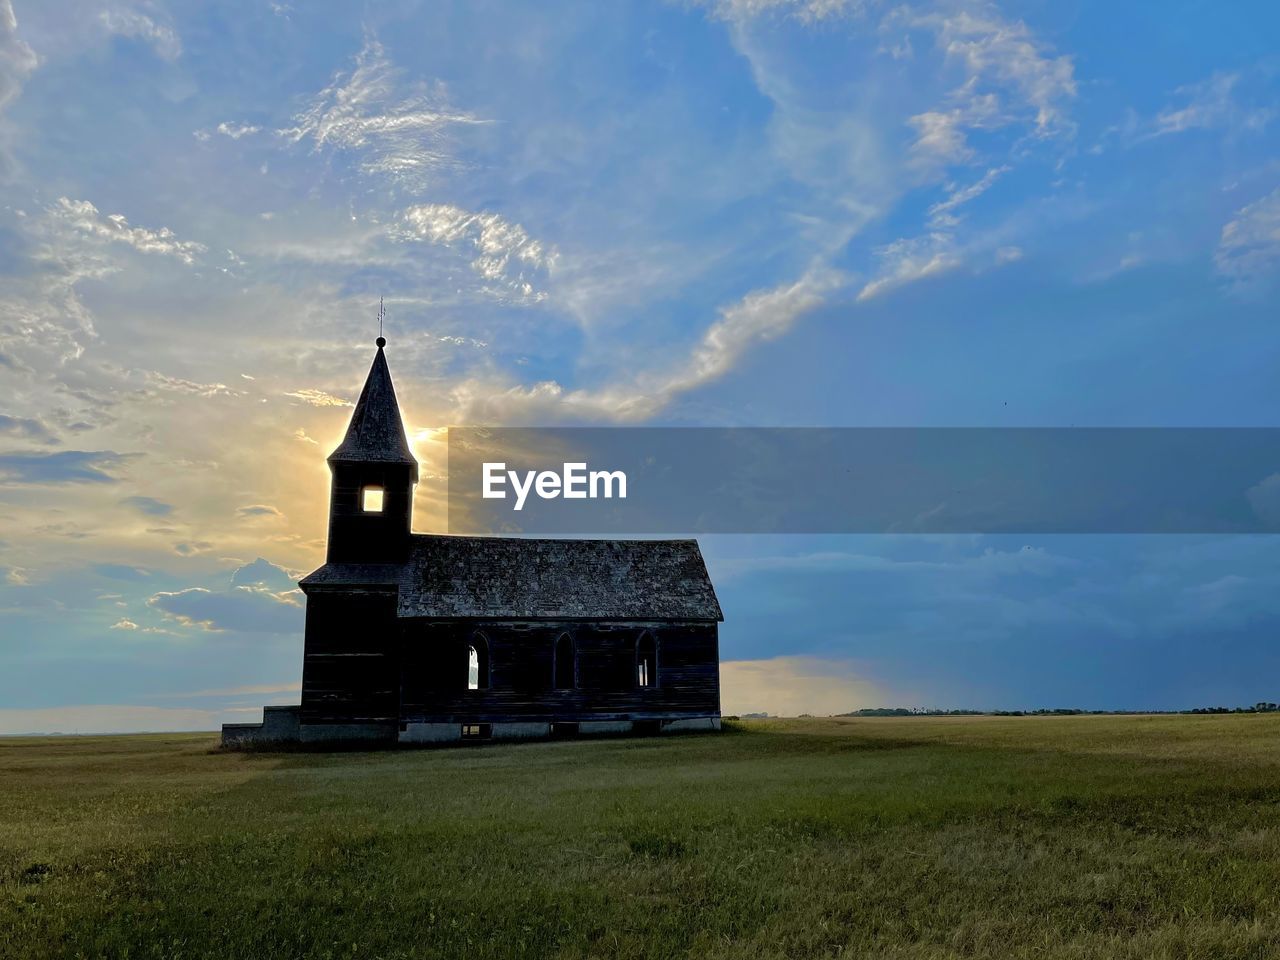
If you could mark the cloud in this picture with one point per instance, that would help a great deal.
(1248, 254)
(192, 547)
(317, 398)
(68, 466)
(132, 23)
(255, 510)
(941, 135)
(793, 685)
(403, 138)
(1210, 104)
(124, 624)
(179, 385)
(17, 59)
(228, 129)
(503, 251)
(261, 597)
(942, 214)
(237, 130)
(41, 313)
(806, 11)
(1010, 77)
(759, 317)
(25, 428)
(149, 505)
(17, 62)
(242, 608)
(83, 217)
(907, 260)
(119, 571)
(264, 573)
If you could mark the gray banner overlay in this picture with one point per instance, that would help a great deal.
(864, 480)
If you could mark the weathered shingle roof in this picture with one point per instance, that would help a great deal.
(528, 579)
(354, 575)
(376, 431)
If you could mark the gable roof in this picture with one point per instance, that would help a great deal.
(510, 578)
(376, 432)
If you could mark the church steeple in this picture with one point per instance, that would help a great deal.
(376, 432)
(374, 472)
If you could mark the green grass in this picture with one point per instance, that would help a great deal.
(1081, 837)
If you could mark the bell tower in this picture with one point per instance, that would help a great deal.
(374, 472)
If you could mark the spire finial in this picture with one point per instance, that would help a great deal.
(381, 341)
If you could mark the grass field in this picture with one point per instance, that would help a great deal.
(1045, 837)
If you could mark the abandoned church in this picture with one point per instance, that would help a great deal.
(419, 638)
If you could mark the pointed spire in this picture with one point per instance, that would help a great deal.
(376, 432)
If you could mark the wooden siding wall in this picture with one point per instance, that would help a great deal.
(521, 672)
(349, 666)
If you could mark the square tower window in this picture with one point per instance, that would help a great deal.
(371, 499)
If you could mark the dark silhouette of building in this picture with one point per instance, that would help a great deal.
(418, 638)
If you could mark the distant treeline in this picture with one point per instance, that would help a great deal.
(1259, 707)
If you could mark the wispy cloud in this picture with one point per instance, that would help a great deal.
(149, 505)
(83, 216)
(401, 136)
(26, 428)
(943, 213)
(1248, 254)
(68, 466)
(758, 317)
(1010, 77)
(179, 385)
(501, 251)
(17, 59)
(806, 11)
(258, 510)
(907, 260)
(317, 398)
(128, 22)
(1210, 104)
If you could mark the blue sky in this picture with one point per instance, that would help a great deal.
(751, 212)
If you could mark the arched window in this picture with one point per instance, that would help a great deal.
(565, 669)
(646, 661)
(478, 663)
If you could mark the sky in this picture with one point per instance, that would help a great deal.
(730, 213)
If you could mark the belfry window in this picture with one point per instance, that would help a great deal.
(564, 668)
(478, 663)
(371, 499)
(646, 661)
